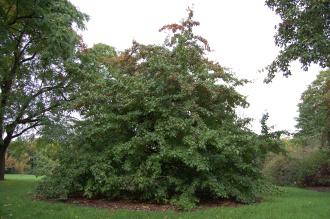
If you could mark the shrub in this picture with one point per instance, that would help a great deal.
(302, 167)
(45, 159)
(317, 171)
(34, 156)
(19, 156)
(17, 165)
(68, 178)
(175, 176)
(161, 127)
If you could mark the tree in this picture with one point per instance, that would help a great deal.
(161, 126)
(37, 43)
(303, 34)
(314, 110)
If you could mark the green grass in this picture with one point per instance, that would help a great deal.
(16, 202)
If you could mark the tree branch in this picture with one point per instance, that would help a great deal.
(6, 84)
(27, 120)
(9, 8)
(24, 47)
(29, 58)
(6, 87)
(38, 93)
(31, 16)
(26, 129)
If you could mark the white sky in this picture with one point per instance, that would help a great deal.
(239, 32)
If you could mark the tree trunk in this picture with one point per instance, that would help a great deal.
(2, 163)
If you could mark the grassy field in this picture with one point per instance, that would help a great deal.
(16, 202)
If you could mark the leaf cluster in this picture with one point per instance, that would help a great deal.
(303, 34)
(314, 110)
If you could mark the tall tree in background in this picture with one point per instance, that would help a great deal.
(314, 110)
(37, 42)
(303, 34)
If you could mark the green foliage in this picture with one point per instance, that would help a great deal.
(45, 159)
(19, 158)
(161, 127)
(282, 170)
(21, 146)
(314, 110)
(36, 156)
(303, 34)
(270, 141)
(302, 166)
(307, 161)
(17, 165)
(38, 41)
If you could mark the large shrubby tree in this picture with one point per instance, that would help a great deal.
(303, 34)
(314, 110)
(37, 43)
(159, 124)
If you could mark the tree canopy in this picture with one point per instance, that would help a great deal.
(37, 42)
(303, 34)
(314, 110)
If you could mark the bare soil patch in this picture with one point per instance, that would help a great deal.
(103, 203)
(138, 206)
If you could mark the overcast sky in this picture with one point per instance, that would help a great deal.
(239, 32)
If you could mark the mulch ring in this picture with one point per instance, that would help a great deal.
(319, 188)
(115, 205)
(138, 206)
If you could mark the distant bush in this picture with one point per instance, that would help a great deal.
(317, 169)
(32, 156)
(17, 165)
(19, 156)
(301, 166)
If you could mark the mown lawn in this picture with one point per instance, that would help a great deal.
(16, 202)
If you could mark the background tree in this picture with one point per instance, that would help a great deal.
(314, 110)
(37, 42)
(307, 158)
(303, 34)
(20, 155)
